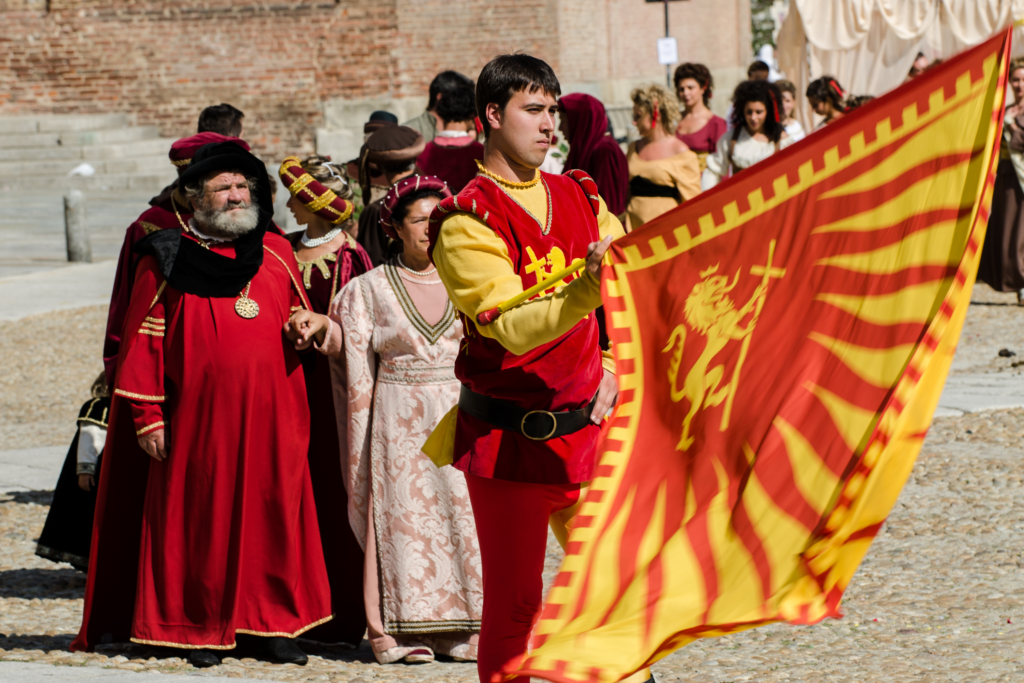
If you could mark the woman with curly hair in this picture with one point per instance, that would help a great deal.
(698, 128)
(827, 99)
(757, 132)
(663, 171)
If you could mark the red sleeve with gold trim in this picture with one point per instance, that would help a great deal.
(140, 379)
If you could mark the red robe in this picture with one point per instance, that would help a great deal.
(561, 375)
(342, 552)
(221, 537)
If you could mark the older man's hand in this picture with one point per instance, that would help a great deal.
(154, 444)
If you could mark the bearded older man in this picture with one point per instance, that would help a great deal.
(215, 533)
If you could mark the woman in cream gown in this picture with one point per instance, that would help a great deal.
(393, 337)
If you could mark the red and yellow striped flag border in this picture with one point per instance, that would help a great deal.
(889, 452)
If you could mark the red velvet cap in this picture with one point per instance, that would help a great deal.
(404, 188)
(317, 198)
(184, 149)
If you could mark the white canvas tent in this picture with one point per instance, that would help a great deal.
(870, 45)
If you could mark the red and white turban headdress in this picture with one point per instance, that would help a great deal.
(316, 197)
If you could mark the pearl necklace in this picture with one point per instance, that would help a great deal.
(417, 273)
(317, 241)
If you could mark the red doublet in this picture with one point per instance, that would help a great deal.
(221, 537)
(561, 375)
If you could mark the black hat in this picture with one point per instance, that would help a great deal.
(380, 115)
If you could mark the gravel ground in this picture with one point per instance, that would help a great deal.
(940, 596)
(47, 365)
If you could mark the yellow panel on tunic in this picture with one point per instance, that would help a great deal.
(681, 172)
(474, 264)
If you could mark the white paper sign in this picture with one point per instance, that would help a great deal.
(668, 51)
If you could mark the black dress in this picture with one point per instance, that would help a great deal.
(67, 533)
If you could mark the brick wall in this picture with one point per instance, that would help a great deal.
(280, 61)
(164, 61)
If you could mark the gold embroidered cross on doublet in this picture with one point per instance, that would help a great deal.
(246, 307)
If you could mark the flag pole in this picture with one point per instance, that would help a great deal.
(487, 317)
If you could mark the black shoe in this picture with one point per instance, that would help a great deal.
(202, 659)
(285, 651)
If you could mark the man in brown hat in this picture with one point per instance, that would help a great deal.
(392, 149)
(378, 189)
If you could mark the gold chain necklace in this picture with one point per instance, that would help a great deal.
(185, 228)
(246, 307)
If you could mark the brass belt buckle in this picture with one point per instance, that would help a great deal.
(554, 425)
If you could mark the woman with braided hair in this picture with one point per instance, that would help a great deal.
(757, 132)
(663, 171)
(328, 257)
(827, 98)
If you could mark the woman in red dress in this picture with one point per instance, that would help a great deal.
(698, 127)
(328, 257)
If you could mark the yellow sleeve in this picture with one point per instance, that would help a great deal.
(478, 274)
(608, 224)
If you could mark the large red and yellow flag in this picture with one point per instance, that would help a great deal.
(781, 344)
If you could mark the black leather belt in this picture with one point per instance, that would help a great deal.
(538, 425)
(643, 187)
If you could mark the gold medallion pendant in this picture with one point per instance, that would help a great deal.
(246, 307)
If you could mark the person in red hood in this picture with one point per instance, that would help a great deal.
(584, 123)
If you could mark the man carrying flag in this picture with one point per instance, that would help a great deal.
(777, 389)
(534, 385)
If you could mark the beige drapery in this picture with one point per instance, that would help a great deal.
(870, 45)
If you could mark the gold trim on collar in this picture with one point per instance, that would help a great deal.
(508, 183)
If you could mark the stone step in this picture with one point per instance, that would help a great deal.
(59, 123)
(61, 167)
(80, 138)
(30, 155)
(153, 182)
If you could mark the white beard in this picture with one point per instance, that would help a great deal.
(220, 223)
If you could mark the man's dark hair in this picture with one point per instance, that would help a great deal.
(221, 118)
(444, 83)
(758, 66)
(508, 74)
(767, 94)
(458, 104)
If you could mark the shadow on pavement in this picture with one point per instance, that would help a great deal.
(45, 584)
(37, 497)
